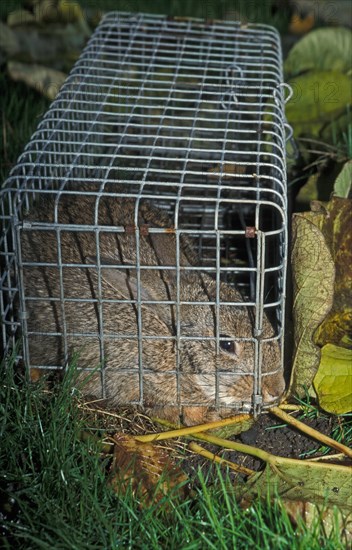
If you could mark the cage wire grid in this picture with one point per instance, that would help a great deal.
(188, 115)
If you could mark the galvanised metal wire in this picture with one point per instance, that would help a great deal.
(190, 116)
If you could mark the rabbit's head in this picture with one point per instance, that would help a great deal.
(199, 354)
(227, 351)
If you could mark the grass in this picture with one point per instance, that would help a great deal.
(21, 110)
(55, 492)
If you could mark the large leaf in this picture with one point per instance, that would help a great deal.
(323, 302)
(20, 17)
(343, 183)
(336, 226)
(324, 49)
(322, 489)
(333, 381)
(57, 45)
(308, 192)
(305, 480)
(313, 279)
(337, 129)
(44, 80)
(319, 97)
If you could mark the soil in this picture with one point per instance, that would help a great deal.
(271, 435)
(268, 433)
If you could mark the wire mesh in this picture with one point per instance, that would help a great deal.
(186, 116)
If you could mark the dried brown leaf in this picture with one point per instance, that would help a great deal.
(146, 469)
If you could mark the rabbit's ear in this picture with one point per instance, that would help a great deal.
(165, 251)
(124, 282)
(120, 280)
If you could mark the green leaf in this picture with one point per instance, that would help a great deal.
(234, 429)
(319, 97)
(304, 480)
(322, 49)
(308, 192)
(343, 182)
(313, 274)
(333, 381)
(335, 130)
(46, 81)
(310, 491)
(20, 17)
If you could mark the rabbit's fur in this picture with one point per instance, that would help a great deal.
(199, 360)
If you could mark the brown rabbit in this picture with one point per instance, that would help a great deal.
(184, 368)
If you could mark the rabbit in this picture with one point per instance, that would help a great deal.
(182, 367)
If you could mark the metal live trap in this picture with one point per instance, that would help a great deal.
(143, 229)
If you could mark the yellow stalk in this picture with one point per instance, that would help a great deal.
(311, 432)
(214, 458)
(190, 430)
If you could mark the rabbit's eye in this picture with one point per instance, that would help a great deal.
(228, 345)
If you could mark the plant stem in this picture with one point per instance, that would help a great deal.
(215, 458)
(311, 432)
(190, 430)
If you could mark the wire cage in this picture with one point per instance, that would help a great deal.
(144, 225)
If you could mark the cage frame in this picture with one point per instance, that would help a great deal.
(21, 185)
